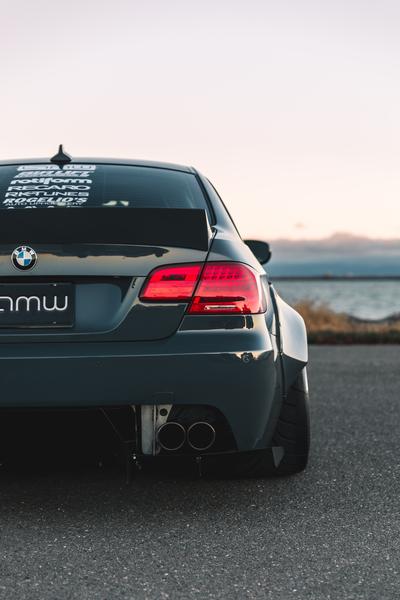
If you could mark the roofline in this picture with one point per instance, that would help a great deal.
(103, 161)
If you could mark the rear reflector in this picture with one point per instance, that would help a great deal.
(171, 284)
(223, 288)
(227, 288)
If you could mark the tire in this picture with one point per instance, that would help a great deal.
(293, 428)
(292, 433)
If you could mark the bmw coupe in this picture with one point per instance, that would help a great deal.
(126, 289)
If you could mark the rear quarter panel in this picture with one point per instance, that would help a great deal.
(290, 329)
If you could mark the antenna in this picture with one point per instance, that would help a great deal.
(61, 158)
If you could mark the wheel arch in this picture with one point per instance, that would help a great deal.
(291, 337)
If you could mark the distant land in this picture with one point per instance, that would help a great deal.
(341, 255)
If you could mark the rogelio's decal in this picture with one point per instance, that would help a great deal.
(49, 186)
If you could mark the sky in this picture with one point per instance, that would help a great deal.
(290, 107)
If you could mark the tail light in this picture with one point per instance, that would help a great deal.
(227, 288)
(218, 288)
(171, 284)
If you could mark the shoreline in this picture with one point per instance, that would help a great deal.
(325, 326)
(335, 338)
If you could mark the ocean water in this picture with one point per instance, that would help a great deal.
(375, 299)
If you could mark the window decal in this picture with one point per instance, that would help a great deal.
(49, 186)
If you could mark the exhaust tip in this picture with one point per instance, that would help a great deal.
(201, 435)
(171, 436)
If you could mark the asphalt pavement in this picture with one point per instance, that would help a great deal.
(330, 533)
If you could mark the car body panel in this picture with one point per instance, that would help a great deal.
(225, 369)
(290, 330)
(98, 260)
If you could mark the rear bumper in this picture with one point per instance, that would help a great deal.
(241, 382)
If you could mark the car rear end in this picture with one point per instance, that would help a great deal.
(125, 288)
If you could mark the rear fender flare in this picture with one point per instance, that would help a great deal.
(292, 338)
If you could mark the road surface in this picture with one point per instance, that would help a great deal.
(330, 533)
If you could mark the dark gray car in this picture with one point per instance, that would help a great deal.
(126, 288)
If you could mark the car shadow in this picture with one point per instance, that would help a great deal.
(83, 473)
(101, 496)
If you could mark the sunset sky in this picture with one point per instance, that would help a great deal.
(291, 107)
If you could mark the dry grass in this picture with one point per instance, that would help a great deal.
(326, 326)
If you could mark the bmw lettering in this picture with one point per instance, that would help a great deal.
(36, 305)
(33, 302)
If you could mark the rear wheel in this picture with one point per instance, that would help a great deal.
(292, 433)
(293, 428)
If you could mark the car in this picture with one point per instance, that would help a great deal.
(127, 290)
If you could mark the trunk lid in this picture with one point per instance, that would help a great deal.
(104, 250)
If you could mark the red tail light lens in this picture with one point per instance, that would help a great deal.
(223, 288)
(171, 284)
(226, 288)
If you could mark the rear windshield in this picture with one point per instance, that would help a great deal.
(30, 186)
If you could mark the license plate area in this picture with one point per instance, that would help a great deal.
(37, 305)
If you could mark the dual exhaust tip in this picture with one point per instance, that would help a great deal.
(200, 436)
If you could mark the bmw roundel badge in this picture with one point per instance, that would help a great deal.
(24, 258)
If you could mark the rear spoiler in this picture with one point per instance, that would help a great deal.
(176, 227)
